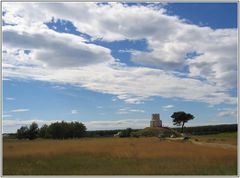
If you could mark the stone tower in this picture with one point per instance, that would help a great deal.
(155, 122)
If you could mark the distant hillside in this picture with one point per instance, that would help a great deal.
(155, 131)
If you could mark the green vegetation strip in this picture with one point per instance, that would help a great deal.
(93, 164)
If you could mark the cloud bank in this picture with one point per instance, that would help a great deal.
(182, 60)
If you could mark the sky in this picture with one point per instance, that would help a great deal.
(111, 65)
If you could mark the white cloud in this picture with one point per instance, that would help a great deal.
(47, 44)
(9, 98)
(136, 110)
(117, 124)
(58, 87)
(128, 83)
(68, 59)
(20, 110)
(6, 115)
(129, 110)
(122, 111)
(168, 44)
(228, 112)
(13, 125)
(20, 122)
(168, 106)
(74, 111)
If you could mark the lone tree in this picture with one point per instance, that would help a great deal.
(33, 131)
(180, 118)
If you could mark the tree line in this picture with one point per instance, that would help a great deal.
(210, 129)
(57, 130)
(110, 133)
(63, 130)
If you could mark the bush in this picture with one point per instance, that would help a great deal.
(135, 134)
(125, 133)
(28, 133)
(62, 130)
(154, 132)
(22, 133)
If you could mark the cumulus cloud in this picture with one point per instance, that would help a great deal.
(69, 59)
(168, 44)
(56, 50)
(130, 84)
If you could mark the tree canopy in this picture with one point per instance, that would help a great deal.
(180, 118)
(30, 132)
(57, 130)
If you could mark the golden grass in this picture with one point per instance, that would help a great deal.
(119, 147)
(222, 138)
(115, 156)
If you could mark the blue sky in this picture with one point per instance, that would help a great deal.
(125, 62)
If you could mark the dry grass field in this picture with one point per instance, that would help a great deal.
(224, 138)
(116, 156)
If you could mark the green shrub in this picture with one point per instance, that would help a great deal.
(125, 133)
(135, 134)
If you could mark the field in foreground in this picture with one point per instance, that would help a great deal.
(118, 156)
